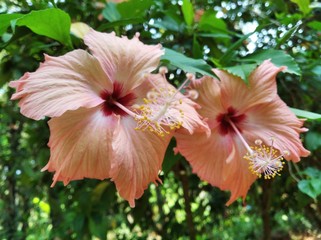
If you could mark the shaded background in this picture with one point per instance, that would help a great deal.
(287, 207)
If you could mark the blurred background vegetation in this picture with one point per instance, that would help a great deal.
(220, 32)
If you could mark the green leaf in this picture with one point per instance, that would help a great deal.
(311, 187)
(306, 114)
(243, 71)
(210, 23)
(98, 192)
(313, 140)
(170, 158)
(187, 64)
(315, 25)
(214, 35)
(197, 51)
(278, 57)
(111, 13)
(312, 172)
(53, 23)
(124, 22)
(287, 35)
(188, 12)
(304, 5)
(134, 8)
(5, 20)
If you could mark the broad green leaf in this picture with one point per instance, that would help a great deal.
(278, 58)
(5, 20)
(306, 114)
(210, 23)
(170, 158)
(134, 8)
(312, 172)
(53, 23)
(311, 187)
(187, 64)
(243, 71)
(111, 13)
(188, 12)
(313, 140)
(304, 5)
(315, 25)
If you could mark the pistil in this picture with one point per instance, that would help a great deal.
(263, 160)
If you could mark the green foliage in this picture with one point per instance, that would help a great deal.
(187, 64)
(53, 23)
(197, 36)
(312, 185)
(277, 57)
(188, 12)
(306, 114)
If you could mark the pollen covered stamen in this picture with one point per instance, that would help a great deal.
(160, 112)
(265, 160)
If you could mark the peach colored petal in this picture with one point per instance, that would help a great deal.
(80, 145)
(209, 96)
(261, 88)
(192, 120)
(137, 159)
(125, 61)
(276, 120)
(61, 83)
(217, 160)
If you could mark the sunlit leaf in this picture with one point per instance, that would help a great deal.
(243, 70)
(278, 58)
(53, 23)
(315, 25)
(210, 23)
(188, 13)
(187, 64)
(134, 8)
(306, 114)
(111, 12)
(304, 5)
(5, 20)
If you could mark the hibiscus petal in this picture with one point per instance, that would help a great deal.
(137, 159)
(80, 145)
(125, 61)
(60, 84)
(218, 160)
(261, 88)
(276, 120)
(209, 97)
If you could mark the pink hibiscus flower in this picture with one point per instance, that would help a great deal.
(94, 101)
(242, 118)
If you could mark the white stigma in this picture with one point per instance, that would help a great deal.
(265, 160)
(161, 111)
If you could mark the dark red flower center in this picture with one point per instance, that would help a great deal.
(117, 95)
(224, 118)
